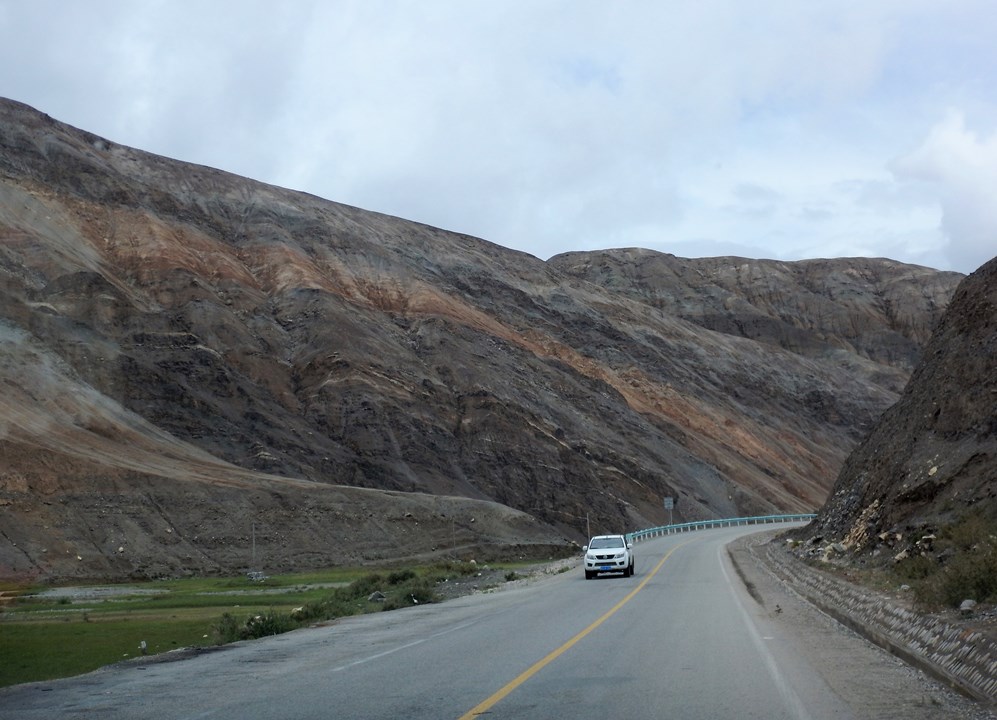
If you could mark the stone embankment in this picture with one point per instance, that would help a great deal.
(962, 658)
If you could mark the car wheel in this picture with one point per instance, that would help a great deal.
(588, 575)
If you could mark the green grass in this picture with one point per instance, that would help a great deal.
(962, 565)
(43, 650)
(47, 638)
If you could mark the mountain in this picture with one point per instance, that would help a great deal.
(932, 457)
(192, 360)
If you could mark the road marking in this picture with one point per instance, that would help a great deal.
(393, 650)
(497, 697)
(791, 700)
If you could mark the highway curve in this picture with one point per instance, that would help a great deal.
(682, 638)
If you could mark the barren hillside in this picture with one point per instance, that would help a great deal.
(189, 353)
(932, 457)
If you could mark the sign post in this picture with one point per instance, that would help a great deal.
(669, 505)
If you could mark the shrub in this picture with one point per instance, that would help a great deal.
(400, 576)
(418, 592)
(364, 586)
(455, 567)
(969, 575)
(269, 623)
(969, 572)
(916, 567)
(403, 588)
(229, 629)
(226, 630)
(311, 611)
(969, 532)
(421, 592)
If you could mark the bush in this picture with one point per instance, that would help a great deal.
(229, 629)
(306, 612)
(966, 567)
(418, 592)
(400, 576)
(970, 575)
(226, 630)
(455, 567)
(917, 567)
(970, 532)
(363, 587)
(403, 588)
(269, 623)
(421, 592)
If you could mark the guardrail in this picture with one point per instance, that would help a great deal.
(709, 524)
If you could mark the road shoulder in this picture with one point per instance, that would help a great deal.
(874, 683)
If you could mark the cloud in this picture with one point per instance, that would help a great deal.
(959, 166)
(547, 127)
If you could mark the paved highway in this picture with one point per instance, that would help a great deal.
(680, 639)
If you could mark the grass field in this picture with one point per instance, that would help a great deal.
(45, 637)
(34, 650)
(48, 633)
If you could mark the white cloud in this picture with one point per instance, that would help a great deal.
(549, 126)
(960, 166)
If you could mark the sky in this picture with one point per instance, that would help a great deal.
(781, 129)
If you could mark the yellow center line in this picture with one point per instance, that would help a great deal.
(487, 704)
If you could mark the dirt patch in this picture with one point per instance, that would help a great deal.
(108, 592)
(489, 579)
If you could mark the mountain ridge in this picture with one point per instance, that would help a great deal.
(295, 342)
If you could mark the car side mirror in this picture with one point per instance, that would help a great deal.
(585, 549)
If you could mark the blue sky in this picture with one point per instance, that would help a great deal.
(781, 129)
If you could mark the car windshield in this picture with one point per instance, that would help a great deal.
(606, 542)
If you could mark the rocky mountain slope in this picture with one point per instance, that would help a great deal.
(932, 457)
(187, 354)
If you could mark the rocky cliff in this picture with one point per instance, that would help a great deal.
(932, 457)
(188, 354)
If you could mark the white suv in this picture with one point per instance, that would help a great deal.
(608, 553)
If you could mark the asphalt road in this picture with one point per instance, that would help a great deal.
(680, 639)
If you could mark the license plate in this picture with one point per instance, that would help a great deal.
(605, 568)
